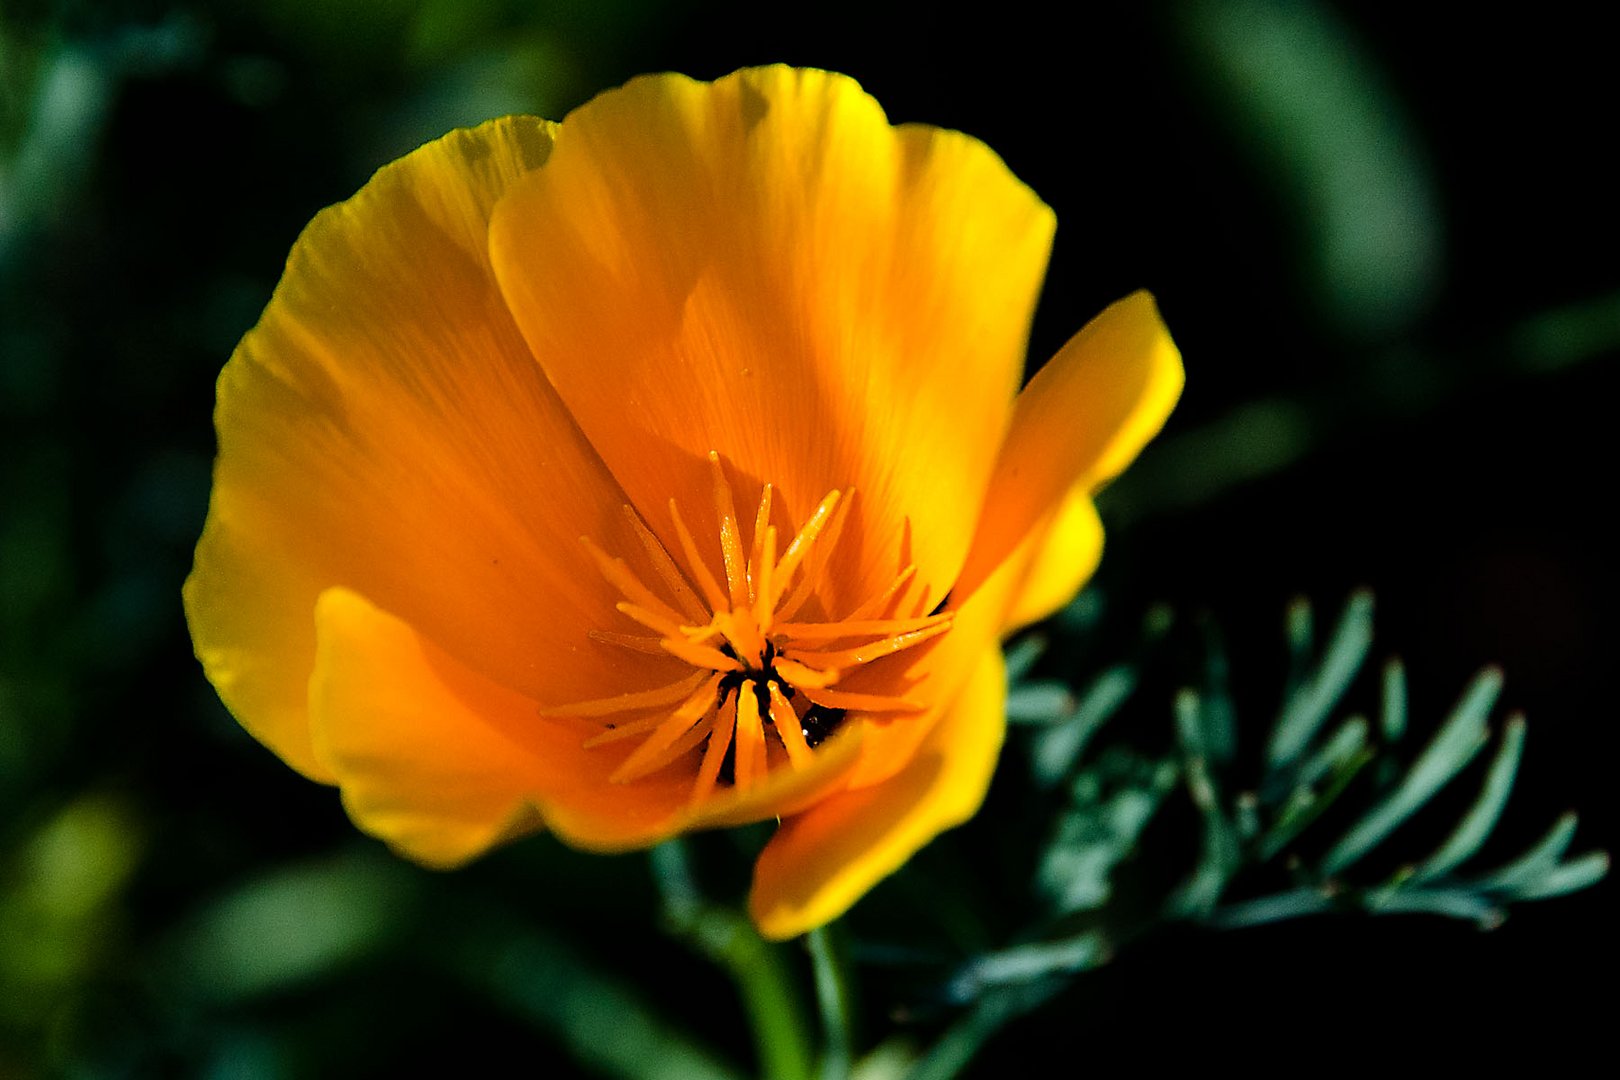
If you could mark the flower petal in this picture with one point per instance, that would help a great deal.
(763, 266)
(441, 762)
(823, 860)
(384, 427)
(1080, 421)
(1056, 559)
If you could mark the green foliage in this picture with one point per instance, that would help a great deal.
(1311, 767)
(1330, 792)
(1313, 762)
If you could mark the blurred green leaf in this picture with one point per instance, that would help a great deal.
(1039, 703)
(292, 926)
(1027, 963)
(1110, 804)
(1221, 852)
(604, 1024)
(1058, 746)
(1570, 334)
(1022, 655)
(1306, 97)
(1565, 878)
(59, 891)
(1392, 717)
(1294, 904)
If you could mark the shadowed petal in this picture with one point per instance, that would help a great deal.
(441, 762)
(385, 428)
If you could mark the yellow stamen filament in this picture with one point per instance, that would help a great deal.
(625, 731)
(641, 699)
(750, 736)
(756, 557)
(714, 756)
(668, 572)
(816, 560)
(619, 575)
(874, 607)
(700, 569)
(651, 620)
(803, 542)
(634, 642)
(701, 655)
(761, 578)
(840, 699)
(865, 654)
(731, 548)
(862, 628)
(788, 729)
(765, 689)
(653, 754)
(801, 676)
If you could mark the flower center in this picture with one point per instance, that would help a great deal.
(764, 690)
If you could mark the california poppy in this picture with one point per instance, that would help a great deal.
(658, 470)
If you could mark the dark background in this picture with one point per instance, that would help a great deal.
(1384, 245)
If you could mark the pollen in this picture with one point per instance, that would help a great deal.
(766, 663)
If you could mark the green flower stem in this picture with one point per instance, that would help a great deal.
(832, 995)
(762, 975)
(763, 978)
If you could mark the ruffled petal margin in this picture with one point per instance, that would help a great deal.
(385, 428)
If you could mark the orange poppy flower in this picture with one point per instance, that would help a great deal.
(661, 470)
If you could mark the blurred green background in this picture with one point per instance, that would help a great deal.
(1386, 246)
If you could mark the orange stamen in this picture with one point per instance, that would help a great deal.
(651, 620)
(865, 654)
(804, 541)
(756, 556)
(762, 580)
(701, 655)
(620, 576)
(750, 737)
(720, 736)
(789, 729)
(694, 560)
(730, 540)
(800, 675)
(640, 699)
(843, 699)
(668, 572)
(852, 628)
(874, 607)
(742, 637)
(816, 560)
(664, 744)
(634, 642)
